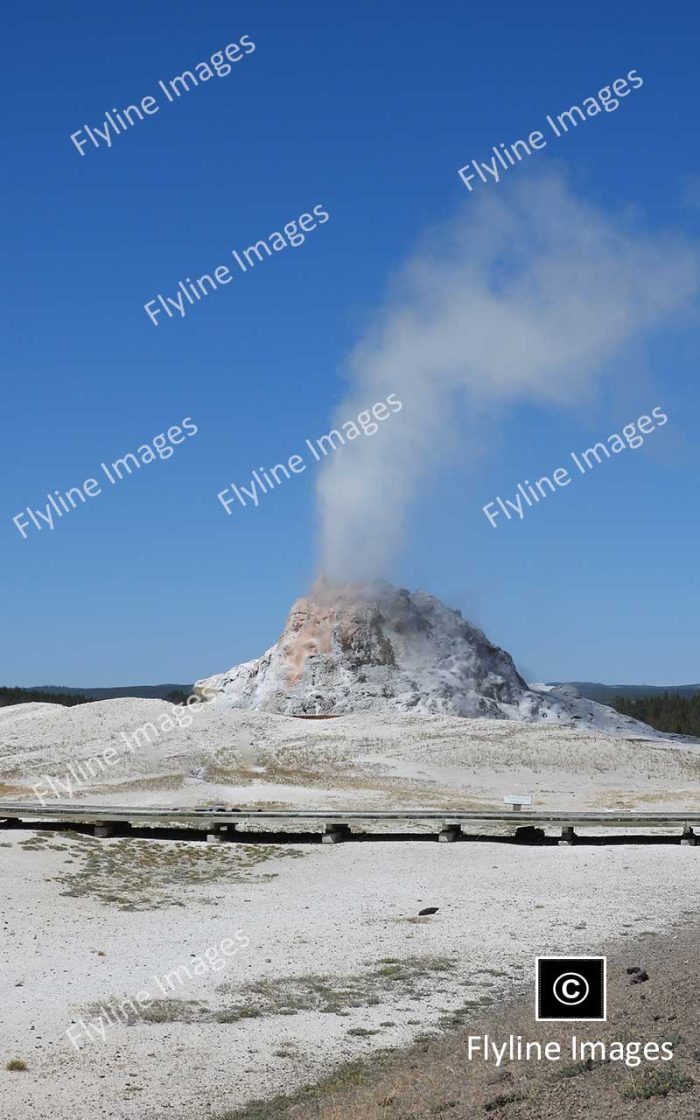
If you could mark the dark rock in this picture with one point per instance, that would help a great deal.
(640, 977)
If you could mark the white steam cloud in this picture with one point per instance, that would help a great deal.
(527, 296)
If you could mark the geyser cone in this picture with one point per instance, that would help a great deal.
(372, 647)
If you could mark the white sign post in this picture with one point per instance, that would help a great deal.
(518, 801)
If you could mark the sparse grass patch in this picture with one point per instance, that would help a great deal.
(151, 784)
(151, 875)
(412, 978)
(464, 1013)
(284, 996)
(299, 765)
(36, 843)
(656, 1083)
(235, 1014)
(126, 1012)
(173, 1011)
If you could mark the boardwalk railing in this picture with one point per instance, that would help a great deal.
(221, 823)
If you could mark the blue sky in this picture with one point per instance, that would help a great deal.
(367, 109)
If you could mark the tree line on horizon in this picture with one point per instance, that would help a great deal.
(665, 711)
(10, 696)
(16, 695)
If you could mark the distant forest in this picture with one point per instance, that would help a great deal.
(9, 696)
(666, 711)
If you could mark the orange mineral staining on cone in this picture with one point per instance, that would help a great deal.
(313, 626)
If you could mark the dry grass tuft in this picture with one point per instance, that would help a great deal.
(16, 1065)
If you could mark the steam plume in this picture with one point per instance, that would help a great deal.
(526, 296)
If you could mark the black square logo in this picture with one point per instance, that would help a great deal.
(571, 988)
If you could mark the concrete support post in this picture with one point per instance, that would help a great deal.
(689, 839)
(568, 836)
(218, 833)
(335, 832)
(104, 829)
(449, 833)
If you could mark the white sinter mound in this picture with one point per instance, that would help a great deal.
(380, 649)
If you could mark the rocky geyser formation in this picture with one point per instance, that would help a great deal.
(377, 648)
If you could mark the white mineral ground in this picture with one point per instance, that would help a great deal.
(334, 912)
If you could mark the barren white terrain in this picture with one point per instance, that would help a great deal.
(338, 962)
(370, 760)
